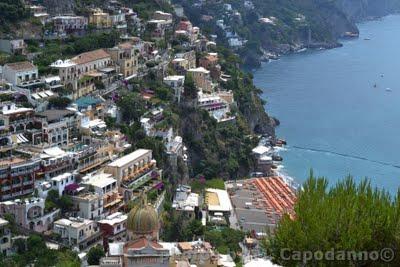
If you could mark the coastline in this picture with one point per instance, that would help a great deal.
(364, 161)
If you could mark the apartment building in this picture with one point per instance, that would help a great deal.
(14, 46)
(176, 82)
(105, 186)
(54, 161)
(77, 232)
(69, 24)
(58, 126)
(125, 57)
(124, 168)
(114, 227)
(216, 106)
(87, 205)
(92, 153)
(134, 171)
(81, 72)
(23, 74)
(5, 237)
(30, 213)
(210, 62)
(17, 176)
(202, 79)
(14, 120)
(160, 15)
(60, 182)
(101, 19)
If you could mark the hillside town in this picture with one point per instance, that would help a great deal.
(95, 155)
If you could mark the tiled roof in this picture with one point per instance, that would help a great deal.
(185, 246)
(18, 66)
(141, 244)
(90, 56)
(125, 45)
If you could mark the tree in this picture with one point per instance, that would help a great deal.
(131, 106)
(232, 166)
(344, 217)
(11, 220)
(190, 89)
(54, 200)
(65, 203)
(35, 242)
(59, 102)
(95, 254)
(193, 229)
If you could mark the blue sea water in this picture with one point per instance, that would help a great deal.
(333, 118)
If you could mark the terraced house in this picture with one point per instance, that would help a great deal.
(17, 176)
(81, 73)
(135, 172)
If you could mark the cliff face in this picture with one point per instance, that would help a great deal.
(282, 26)
(358, 10)
(258, 120)
(57, 7)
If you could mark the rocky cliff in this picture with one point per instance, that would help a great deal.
(357, 10)
(282, 26)
(56, 7)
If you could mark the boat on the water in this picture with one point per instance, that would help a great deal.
(276, 158)
(388, 89)
(301, 50)
(281, 142)
(367, 39)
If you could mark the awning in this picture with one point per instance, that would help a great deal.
(108, 70)
(19, 139)
(36, 96)
(49, 93)
(130, 77)
(94, 74)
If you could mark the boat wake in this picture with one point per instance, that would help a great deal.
(346, 156)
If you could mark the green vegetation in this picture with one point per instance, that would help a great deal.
(291, 25)
(59, 102)
(198, 185)
(52, 50)
(35, 252)
(346, 216)
(146, 8)
(132, 107)
(54, 201)
(225, 239)
(190, 89)
(94, 255)
(12, 11)
(177, 227)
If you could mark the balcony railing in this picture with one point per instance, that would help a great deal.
(139, 172)
(144, 178)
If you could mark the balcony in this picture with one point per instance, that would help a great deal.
(139, 172)
(142, 179)
(88, 166)
(28, 182)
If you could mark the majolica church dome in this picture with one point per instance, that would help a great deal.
(143, 221)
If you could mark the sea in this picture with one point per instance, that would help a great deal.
(340, 109)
